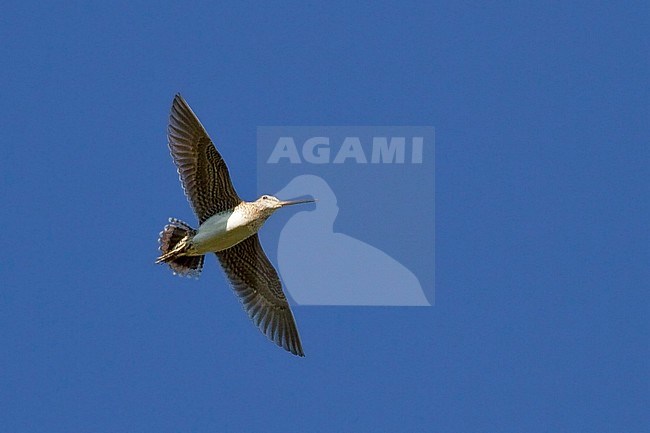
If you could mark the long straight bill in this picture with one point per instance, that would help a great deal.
(292, 202)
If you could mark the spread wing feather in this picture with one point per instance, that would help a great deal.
(259, 289)
(201, 168)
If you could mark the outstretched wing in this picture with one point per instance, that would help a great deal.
(201, 168)
(259, 289)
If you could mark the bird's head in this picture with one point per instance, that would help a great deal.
(269, 204)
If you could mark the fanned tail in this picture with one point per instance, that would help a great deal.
(173, 245)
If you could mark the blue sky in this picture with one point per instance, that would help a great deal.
(540, 321)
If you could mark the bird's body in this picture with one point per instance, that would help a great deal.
(224, 230)
(228, 227)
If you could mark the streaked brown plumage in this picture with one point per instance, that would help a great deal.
(221, 213)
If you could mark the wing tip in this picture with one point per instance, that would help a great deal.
(285, 333)
(179, 104)
(185, 120)
(278, 325)
(297, 350)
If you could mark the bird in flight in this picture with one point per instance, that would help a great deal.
(228, 227)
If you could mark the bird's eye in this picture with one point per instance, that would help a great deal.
(265, 197)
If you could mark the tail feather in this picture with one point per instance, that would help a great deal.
(173, 242)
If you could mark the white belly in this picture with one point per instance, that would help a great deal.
(220, 232)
